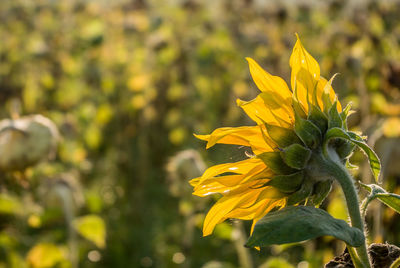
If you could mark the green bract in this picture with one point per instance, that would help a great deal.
(313, 137)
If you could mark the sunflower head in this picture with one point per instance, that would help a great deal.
(291, 135)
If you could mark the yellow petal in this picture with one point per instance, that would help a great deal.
(211, 188)
(256, 173)
(280, 108)
(245, 136)
(235, 186)
(267, 82)
(305, 74)
(218, 213)
(260, 113)
(194, 182)
(245, 213)
(241, 167)
(267, 206)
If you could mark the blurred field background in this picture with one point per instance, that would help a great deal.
(128, 82)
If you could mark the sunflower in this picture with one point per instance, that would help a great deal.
(289, 132)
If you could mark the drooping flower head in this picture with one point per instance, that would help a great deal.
(289, 132)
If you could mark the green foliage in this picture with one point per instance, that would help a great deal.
(296, 224)
(9, 204)
(91, 227)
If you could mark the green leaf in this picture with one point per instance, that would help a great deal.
(92, 228)
(287, 183)
(321, 190)
(307, 132)
(357, 140)
(299, 223)
(282, 136)
(296, 156)
(334, 117)
(318, 118)
(389, 199)
(373, 159)
(302, 194)
(274, 161)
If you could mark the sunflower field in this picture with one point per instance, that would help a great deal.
(100, 101)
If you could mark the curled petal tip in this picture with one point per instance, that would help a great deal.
(201, 137)
(249, 60)
(239, 102)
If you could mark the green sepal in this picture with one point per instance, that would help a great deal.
(318, 118)
(321, 191)
(334, 117)
(389, 199)
(357, 140)
(296, 156)
(282, 136)
(302, 194)
(343, 148)
(298, 223)
(344, 114)
(274, 161)
(287, 183)
(326, 100)
(296, 104)
(307, 132)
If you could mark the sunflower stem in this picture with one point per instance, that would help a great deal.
(396, 263)
(336, 169)
(356, 260)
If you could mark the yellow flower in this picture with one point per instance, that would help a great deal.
(289, 123)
